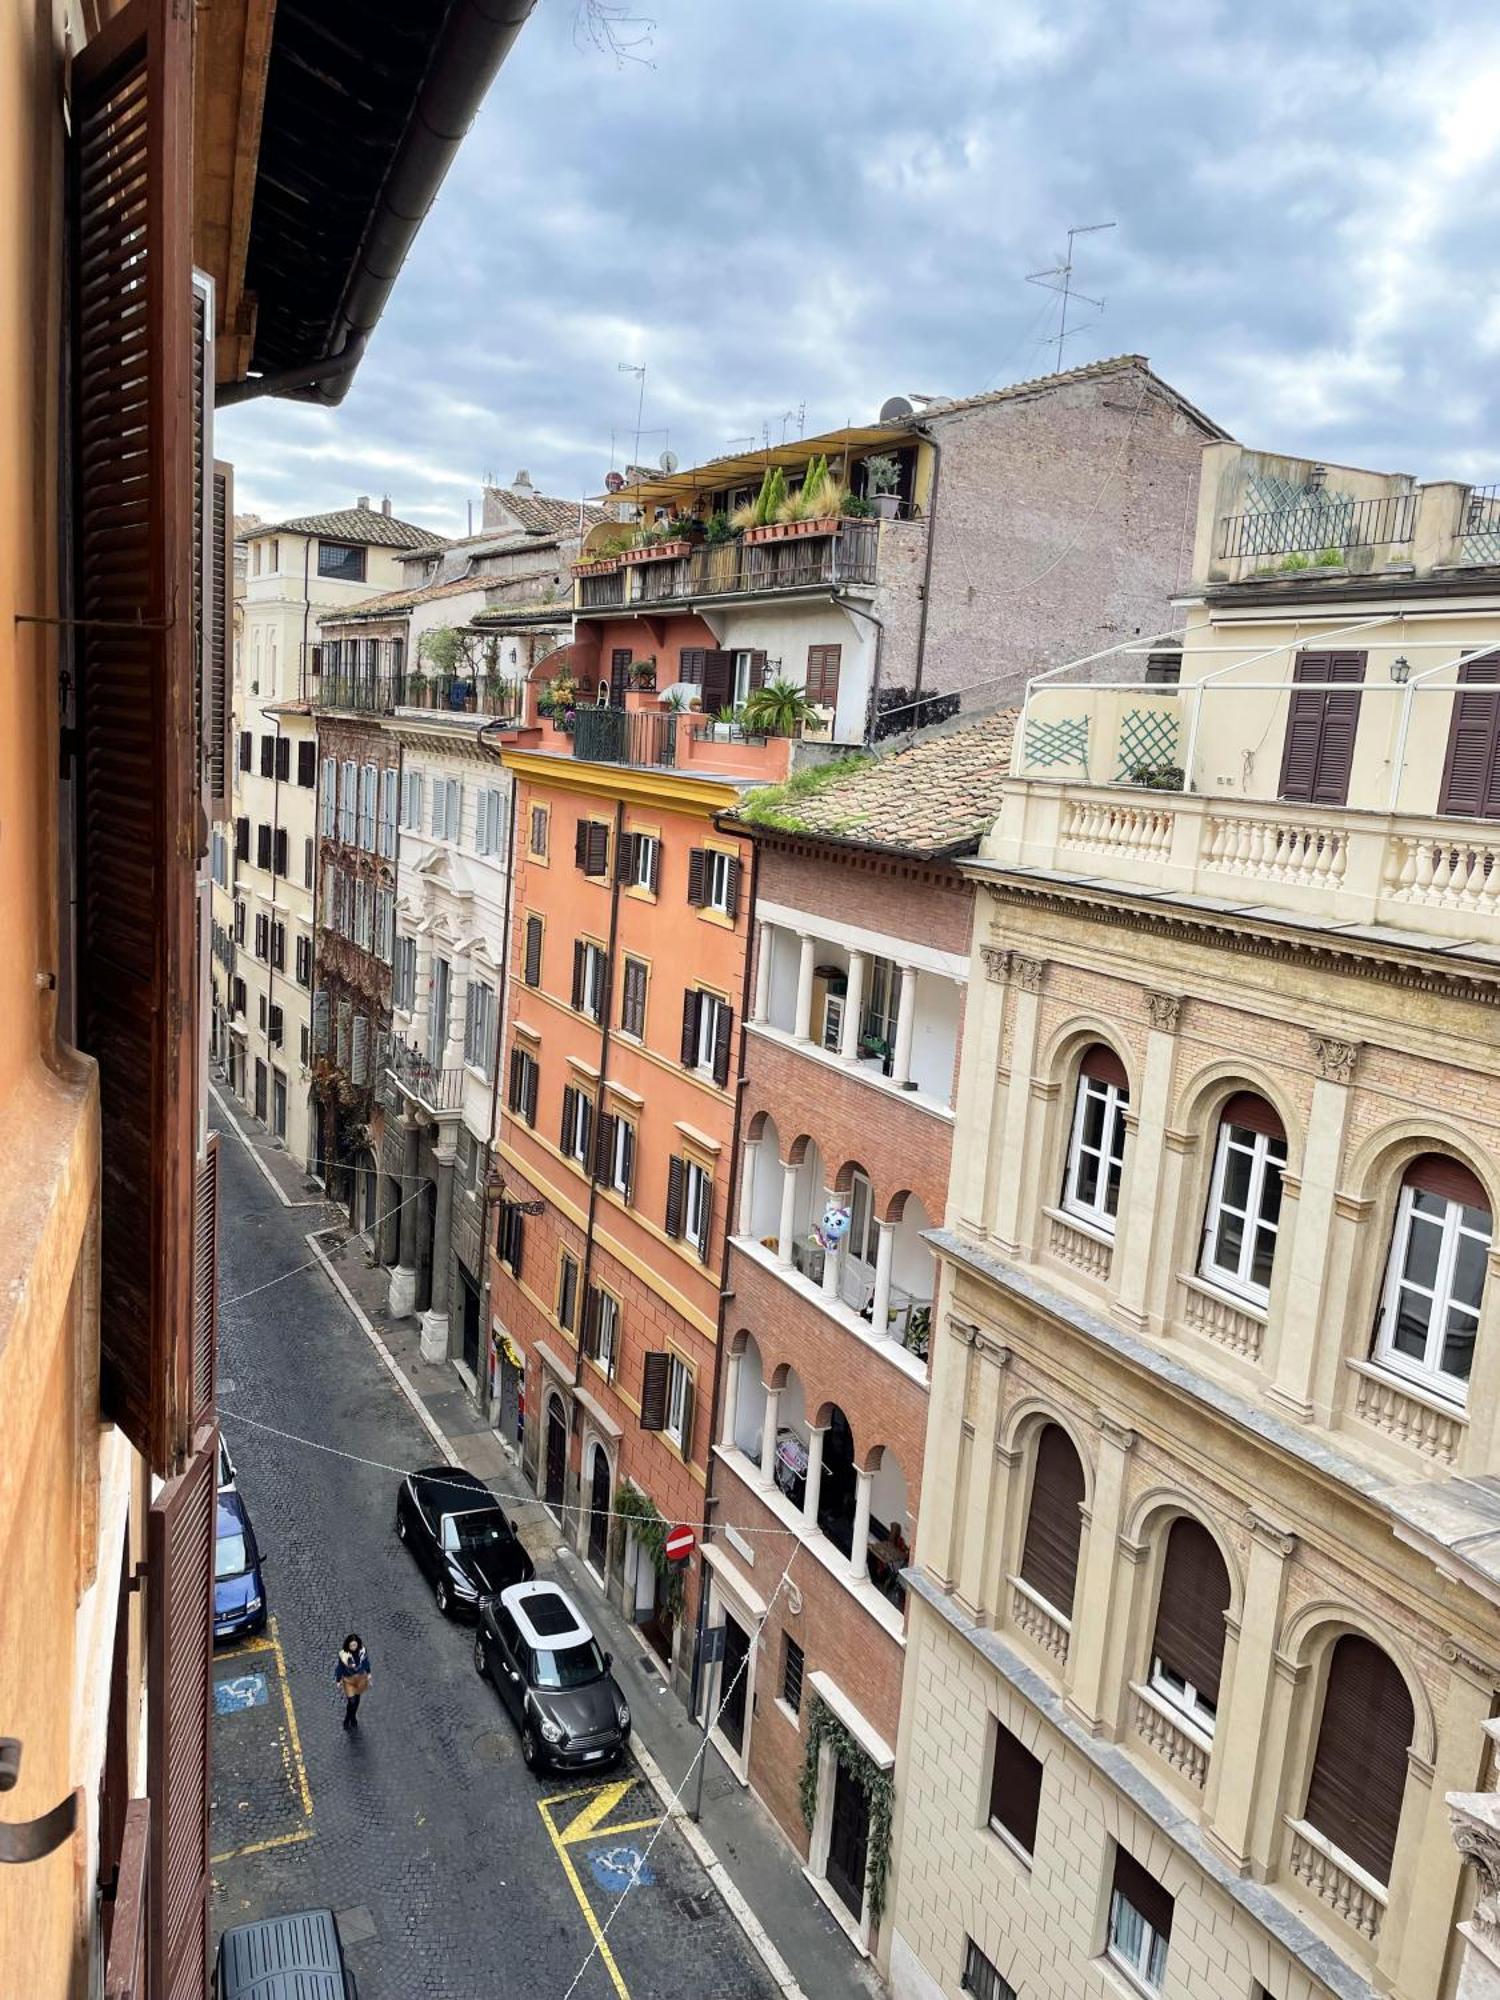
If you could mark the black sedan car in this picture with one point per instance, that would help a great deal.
(458, 1532)
(546, 1663)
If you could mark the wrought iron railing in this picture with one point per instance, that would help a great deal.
(433, 1088)
(625, 736)
(383, 694)
(1480, 541)
(850, 554)
(1320, 522)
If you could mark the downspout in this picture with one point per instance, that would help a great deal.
(923, 431)
(500, 1000)
(592, 1163)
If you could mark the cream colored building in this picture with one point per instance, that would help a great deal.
(297, 570)
(1204, 1622)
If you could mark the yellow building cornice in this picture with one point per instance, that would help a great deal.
(699, 796)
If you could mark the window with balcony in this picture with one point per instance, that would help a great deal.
(1357, 1781)
(1140, 1923)
(1054, 1521)
(1434, 1281)
(1096, 1140)
(1187, 1649)
(1244, 1200)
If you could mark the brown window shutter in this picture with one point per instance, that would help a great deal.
(697, 877)
(757, 670)
(718, 680)
(604, 1146)
(733, 905)
(1358, 1777)
(205, 1284)
(246, 749)
(723, 1035)
(1054, 1525)
(691, 1002)
(533, 972)
(581, 843)
(596, 861)
(180, 1567)
(690, 665)
(1471, 767)
(218, 719)
(1015, 1787)
(137, 694)
(625, 859)
(1318, 754)
(307, 765)
(676, 1188)
(706, 1229)
(628, 1160)
(263, 846)
(1252, 1114)
(1450, 1179)
(569, 1121)
(822, 681)
(279, 852)
(655, 1374)
(283, 758)
(125, 1972)
(533, 1078)
(242, 840)
(515, 1095)
(579, 962)
(268, 756)
(1143, 1892)
(1190, 1607)
(655, 867)
(1101, 1063)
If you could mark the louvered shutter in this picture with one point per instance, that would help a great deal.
(137, 770)
(533, 1077)
(757, 671)
(581, 843)
(676, 1189)
(1471, 768)
(125, 1972)
(569, 1121)
(579, 966)
(625, 859)
(359, 1056)
(205, 1285)
(596, 861)
(697, 877)
(283, 758)
(732, 890)
(1190, 1607)
(242, 840)
(1054, 1525)
(180, 1565)
(718, 680)
(516, 1089)
(218, 721)
(1143, 1892)
(627, 1159)
(655, 866)
(706, 1221)
(690, 665)
(268, 756)
(344, 1033)
(307, 765)
(822, 681)
(263, 847)
(533, 973)
(1318, 754)
(656, 1369)
(245, 749)
(604, 1147)
(691, 1001)
(723, 1034)
(280, 850)
(1358, 1778)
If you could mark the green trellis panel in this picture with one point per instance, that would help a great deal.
(1148, 736)
(1049, 744)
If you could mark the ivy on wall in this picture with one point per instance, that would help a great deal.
(823, 1726)
(635, 1511)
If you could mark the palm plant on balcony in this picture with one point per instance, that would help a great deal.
(779, 708)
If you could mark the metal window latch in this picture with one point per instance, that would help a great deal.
(33, 1838)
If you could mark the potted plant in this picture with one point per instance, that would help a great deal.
(779, 708)
(767, 526)
(918, 1336)
(717, 529)
(643, 673)
(882, 477)
(857, 508)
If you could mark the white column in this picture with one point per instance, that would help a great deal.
(831, 1263)
(730, 1410)
(860, 1548)
(885, 1246)
(768, 1425)
(422, 1003)
(906, 1021)
(765, 938)
(749, 1161)
(802, 1027)
(854, 1007)
(815, 1436)
(788, 1213)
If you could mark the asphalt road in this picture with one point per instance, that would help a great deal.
(457, 1875)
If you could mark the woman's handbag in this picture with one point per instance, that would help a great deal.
(355, 1684)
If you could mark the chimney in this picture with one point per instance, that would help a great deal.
(385, 505)
(522, 482)
(363, 503)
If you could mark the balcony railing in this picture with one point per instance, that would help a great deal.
(625, 736)
(1480, 539)
(1317, 523)
(436, 1090)
(850, 554)
(383, 694)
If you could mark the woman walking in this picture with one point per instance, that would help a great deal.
(352, 1672)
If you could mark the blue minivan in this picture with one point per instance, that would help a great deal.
(239, 1592)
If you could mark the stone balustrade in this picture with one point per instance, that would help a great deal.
(1164, 1733)
(1335, 1880)
(1044, 1627)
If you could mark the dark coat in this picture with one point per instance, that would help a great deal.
(348, 1664)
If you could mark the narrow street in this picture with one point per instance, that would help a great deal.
(456, 1875)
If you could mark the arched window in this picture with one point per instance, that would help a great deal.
(1434, 1279)
(1054, 1524)
(1187, 1651)
(1358, 1776)
(1244, 1199)
(1096, 1143)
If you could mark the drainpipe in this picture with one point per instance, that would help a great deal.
(923, 431)
(592, 1163)
(500, 999)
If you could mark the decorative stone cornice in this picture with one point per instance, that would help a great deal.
(1270, 1533)
(1336, 1058)
(1162, 1010)
(1474, 1820)
(1117, 1433)
(996, 963)
(1478, 1669)
(1028, 972)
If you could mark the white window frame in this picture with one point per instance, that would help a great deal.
(1265, 1153)
(1183, 1696)
(709, 1005)
(644, 856)
(862, 1223)
(330, 794)
(606, 1332)
(1116, 1103)
(679, 1383)
(595, 964)
(369, 789)
(716, 879)
(388, 812)
(1143, 1959)
(697, 1194)
(411, 801)
(576, 1147)
(1427, 1372)
(348, 796)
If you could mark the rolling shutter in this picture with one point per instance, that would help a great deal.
(180, 1565)
(1104, 1066)
(138, 779)
(1143, 1892)
(1191, 1606)
(1016, 1786)
(1450, 1179)
(697, 877)
(1318, 754)
(1054, 1524)
(1252, 1114)
(533, 973)
(205, 1285)
(655, 1373)
(218, 719)
(691, 1001)
(723, 1035)
(1471, 768)
(1359, 1768)
(676, 1190)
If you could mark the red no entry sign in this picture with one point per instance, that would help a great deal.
(680, 1541)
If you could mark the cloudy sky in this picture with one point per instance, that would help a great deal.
(821, 203)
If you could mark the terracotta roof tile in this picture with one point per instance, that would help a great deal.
(1117, 364)
(360, 524)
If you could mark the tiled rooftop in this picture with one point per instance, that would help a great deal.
(365, 525)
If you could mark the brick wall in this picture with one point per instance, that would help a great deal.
(916, 900)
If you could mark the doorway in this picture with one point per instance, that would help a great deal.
(556, 1474)
(511, 1395)
(369, 1195)
(619, 675)
(469, 1292)
(848, 1841)
(734, 1679)
(260, 1090)
(427, 1217)
(599, 1516)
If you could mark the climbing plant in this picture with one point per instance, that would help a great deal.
(823, 1726)
(634, 1510)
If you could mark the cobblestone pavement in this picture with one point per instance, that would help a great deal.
(456, 1875)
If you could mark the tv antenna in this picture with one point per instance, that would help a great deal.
(638, 370)
(1048, 280)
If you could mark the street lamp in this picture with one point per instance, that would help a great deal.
(1400, 670)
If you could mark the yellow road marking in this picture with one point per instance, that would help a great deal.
(291, 1752)
(607, 1957)
(238, 1652)
(291, 1720)
(601, 1804)
(261, 1846)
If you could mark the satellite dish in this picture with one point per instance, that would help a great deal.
(669, 461)
(614, 481)
(893, 409)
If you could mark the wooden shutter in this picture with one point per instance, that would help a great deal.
(138, 781)
(268, 756)
(569, 1119)
(283, 758)
(732, 890)
(218, 719)
(179, 1568)
(718, 680)
(1471, 767)
(604, 1146)
(690, 665)
(1449, 1179)
(359, 1055)
(757, 671)
(1252, 1114)
(697, 877)
(1318, 754)
(263, 847)
(822, 684)
(655, 866)
(1101, 1063)
(533, 1077)
(205, 1285)
(125, 1972)
(1358, 1775)
(596, 857)
(705, 1229)
(245, 749)
(1016, 1786)
(691, 1001)
(579, 966)
(280, 849)
(628, 1159)
(581, 843)
(307, 765)
(1191, 1605)
(633, 1008)
(1143, 1892)
(1054, 1525)
(656, 1374)
(723, 1035)
(242, 839)
(676, 1190)
(533, 974)
(515, 1088)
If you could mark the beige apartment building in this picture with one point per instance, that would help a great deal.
(1203, 1613)
(297, 570)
